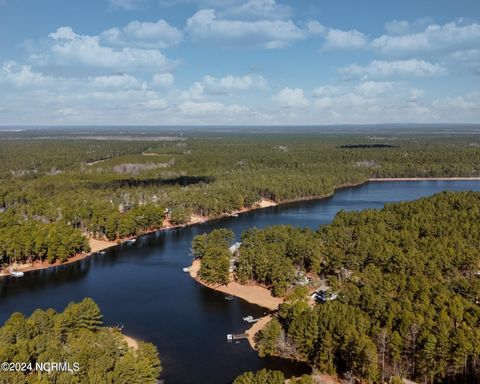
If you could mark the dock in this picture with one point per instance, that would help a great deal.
(236, 336)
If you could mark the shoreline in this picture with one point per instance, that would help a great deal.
(196, 219)
(254, 293)
(101, 245)
(424, 179)
(95, 247)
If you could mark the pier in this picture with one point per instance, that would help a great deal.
(236, 336)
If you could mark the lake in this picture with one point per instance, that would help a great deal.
(143, 287)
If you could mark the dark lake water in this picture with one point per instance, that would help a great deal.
(143, 287)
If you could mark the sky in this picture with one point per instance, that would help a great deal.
(239, 62)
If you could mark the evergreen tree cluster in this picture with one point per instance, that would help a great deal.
(118, 188)
(271, 256)
(212, 249)
(31, 240)
(75, 335)
(408, 284)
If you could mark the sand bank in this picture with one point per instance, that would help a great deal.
(253, 293)
(131, 342)
(95, 246)
(99, 245)
(255, 328)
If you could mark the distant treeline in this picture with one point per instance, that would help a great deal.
(352, 146)
(120, 188)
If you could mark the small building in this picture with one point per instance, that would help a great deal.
(232, 265)
(124, 207)
(235, 247)
(324, 296)
(301, 278)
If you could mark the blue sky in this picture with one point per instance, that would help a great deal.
(239, 61)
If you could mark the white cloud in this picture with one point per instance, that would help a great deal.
(435, 38)
(195, 92)
(163, 79)
(69, 48)
(338, 39)
(464, 103)
(268, 9)
(206, 108)
(230, 83)
(315, 28)
(327, 90)
(239, 9)
(468, 58)
(205, 26)
(291, 98)
(21, 75)
(403, 27)
(125, 4)
(138, 34)
(415, 95)
(116, 81)
(373, 88)
(412, 67)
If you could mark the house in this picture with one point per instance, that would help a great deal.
(324, 296)
(233, 260)
(234, 248)
(301, 278)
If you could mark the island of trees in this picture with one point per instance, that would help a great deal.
(402, 290)
(95, 353)
(59, 187)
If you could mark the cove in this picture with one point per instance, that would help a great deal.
(143, 287)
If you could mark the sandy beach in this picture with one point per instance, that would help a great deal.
(131, 342)
(254, 293)
(255, 328)
(99, 245)
(95, 246)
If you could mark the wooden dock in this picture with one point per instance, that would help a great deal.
(236, 336)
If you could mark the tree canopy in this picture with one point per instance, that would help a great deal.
(408, 283)
(76, 335)
(119, 188)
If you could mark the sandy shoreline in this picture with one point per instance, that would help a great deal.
(95, 246)
(255, 328)
(99, 245)
(254, 293)
(131, 342)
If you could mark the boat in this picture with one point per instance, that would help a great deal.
(102, 252)
(250, 319)
(229, 297)
(186, 269)
(15, 273)
(131, 241)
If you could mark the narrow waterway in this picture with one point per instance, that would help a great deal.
(143, 287)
